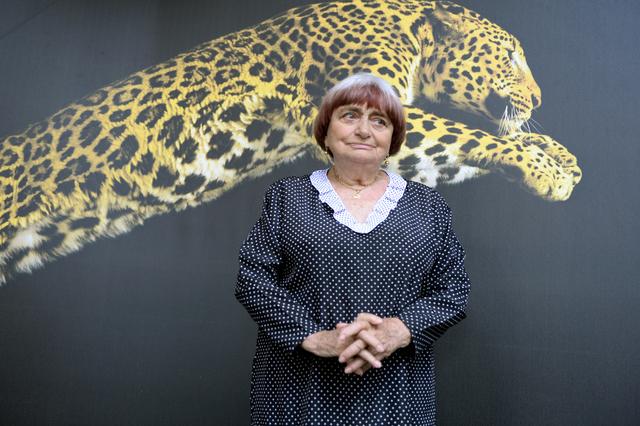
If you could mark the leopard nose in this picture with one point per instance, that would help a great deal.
(535, 101)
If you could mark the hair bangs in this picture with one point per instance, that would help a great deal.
(369, 95)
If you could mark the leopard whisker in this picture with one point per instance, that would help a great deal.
(539, 128)
(529, 127)
(503, 122)
(518, 120)
(514, 118)
(526, 124)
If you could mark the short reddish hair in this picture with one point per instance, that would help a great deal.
(362, 89)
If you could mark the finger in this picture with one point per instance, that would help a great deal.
(351, 330)
(341, 325)
(363, 369)
(354, 365)
(371, 340)
(352, 350)
(371, 318)
(368, 356)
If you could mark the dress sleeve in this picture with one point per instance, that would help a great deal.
(284, 320)
(445, 291)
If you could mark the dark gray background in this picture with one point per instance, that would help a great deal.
(144, 328)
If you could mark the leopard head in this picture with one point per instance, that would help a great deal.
(474, 65)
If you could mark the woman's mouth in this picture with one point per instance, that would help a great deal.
(361, 146)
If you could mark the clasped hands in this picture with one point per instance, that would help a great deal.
(361, 344)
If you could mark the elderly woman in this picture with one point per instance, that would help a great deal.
(349, 268)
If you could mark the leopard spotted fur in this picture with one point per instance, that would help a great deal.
(183, 132)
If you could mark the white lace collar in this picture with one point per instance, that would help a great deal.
(380, 211)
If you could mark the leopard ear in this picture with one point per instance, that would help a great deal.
(447, 20)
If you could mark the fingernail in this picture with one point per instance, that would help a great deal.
(347, 370)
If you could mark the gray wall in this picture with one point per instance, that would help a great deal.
(144, 328)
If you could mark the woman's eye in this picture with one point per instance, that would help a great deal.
(380, 122)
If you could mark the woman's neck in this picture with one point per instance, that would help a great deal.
(357, 174)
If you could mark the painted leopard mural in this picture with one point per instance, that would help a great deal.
(183, 132)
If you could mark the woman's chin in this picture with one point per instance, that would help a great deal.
(361, 157)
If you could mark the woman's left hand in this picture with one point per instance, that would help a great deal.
(390, 332)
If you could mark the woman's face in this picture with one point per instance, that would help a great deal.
(359, 134)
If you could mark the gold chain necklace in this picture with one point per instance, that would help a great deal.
(356, 190)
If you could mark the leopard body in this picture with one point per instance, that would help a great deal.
(185, 131)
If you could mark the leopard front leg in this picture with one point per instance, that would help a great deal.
(443, 151)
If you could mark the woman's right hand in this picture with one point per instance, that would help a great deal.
(327, 343)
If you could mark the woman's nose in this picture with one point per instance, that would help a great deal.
(363, 129)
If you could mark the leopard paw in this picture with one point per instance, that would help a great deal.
(556, 151)
(542, 165)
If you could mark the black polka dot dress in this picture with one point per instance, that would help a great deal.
(307, 265)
